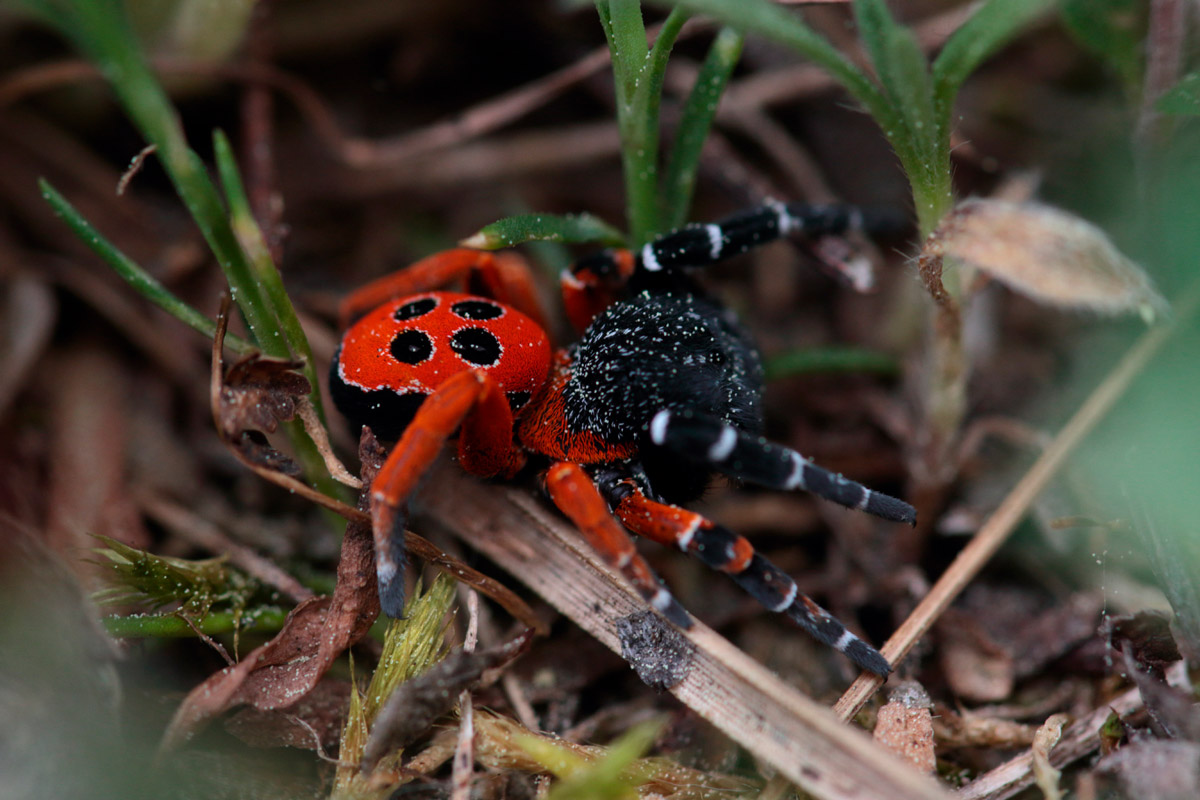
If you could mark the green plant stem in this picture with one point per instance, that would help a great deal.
(133, 274)
(639, 72)
(164, 626)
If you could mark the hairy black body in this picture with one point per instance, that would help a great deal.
(665, 350)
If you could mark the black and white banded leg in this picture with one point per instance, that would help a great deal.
(724, 550)
(753, 459)
(698, 244)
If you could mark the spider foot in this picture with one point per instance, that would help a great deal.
(778, 592)
(390, 559)
(665, 603)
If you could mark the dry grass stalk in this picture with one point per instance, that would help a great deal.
(995, 531)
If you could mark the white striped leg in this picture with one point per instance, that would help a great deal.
(750, 458)
(698, 244)
(723, 550)
(572, 490)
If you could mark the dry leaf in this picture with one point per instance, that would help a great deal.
(976, 666)
(1044, 741)
(258, 393)
(1045, 253)
(314, 720)
(285, 669)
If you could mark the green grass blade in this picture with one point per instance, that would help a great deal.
(267, 277)
(640, 135)
(930, 187)
(995, 23)
(773, 22)
(698, 112)
(566, 229)
(923, 142)
(245, 227)
(133, 274)
(901, 67)
(626, 34)
(100, 29)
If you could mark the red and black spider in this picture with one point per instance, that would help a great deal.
(663, 390)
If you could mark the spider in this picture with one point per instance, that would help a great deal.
(663, 389)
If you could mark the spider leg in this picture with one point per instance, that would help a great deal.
(470, 399)
(573, 492)
(502, 276)
(752, 458)
(723, 550)
(696, 245)
(593, 283)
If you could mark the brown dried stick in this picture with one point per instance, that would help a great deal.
(997, 528)
(725, 686)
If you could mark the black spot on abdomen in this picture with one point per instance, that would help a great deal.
(414, 309)
(411, 347)
(476, 309)
(476, 346)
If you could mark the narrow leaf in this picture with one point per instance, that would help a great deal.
(133, 274)
(991, 27)
(775, 23)
(626, 33)
(569, 229)
(640, 134)
(930, 177)
(254, 245)
(902, 69)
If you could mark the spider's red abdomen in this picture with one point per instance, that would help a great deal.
(394, 357)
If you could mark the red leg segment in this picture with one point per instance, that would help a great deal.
(464, 399)
(574, 493)
(593, 284)
(504, 277)
(721, 549)
(485, 446)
